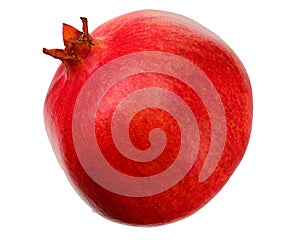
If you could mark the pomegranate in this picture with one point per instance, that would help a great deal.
(149, 115)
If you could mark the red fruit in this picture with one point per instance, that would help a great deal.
(149, 115)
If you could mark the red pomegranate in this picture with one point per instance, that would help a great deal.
(149, 115)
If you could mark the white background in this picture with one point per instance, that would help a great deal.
(258, 207)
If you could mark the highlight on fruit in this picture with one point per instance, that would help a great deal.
(149, 115)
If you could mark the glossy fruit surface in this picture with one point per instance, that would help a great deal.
(149, 115)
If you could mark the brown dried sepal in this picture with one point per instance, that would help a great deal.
(77, 45)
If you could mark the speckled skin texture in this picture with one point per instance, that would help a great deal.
(151, 30)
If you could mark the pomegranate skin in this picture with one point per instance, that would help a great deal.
(159, 53)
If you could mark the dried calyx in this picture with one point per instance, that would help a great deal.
(77, 45)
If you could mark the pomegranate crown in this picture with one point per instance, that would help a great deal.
(77, 44)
